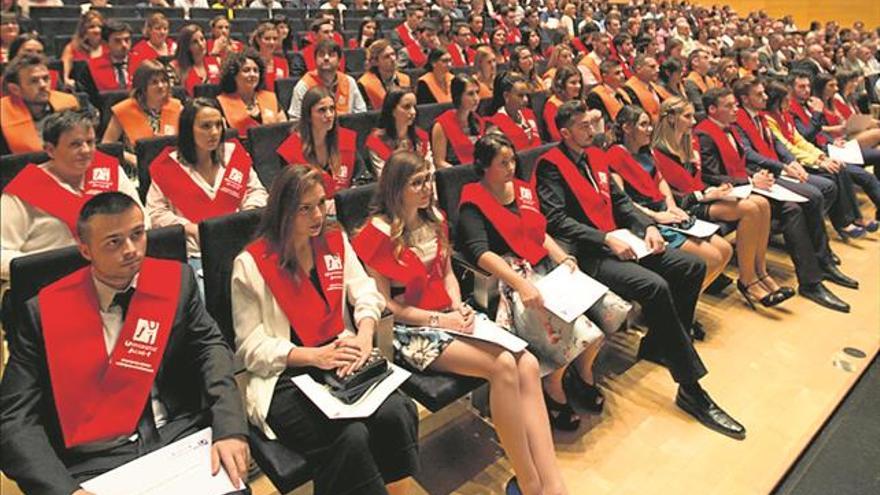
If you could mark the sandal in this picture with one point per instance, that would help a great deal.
(562, 416)
(583, 397)
(786, 291)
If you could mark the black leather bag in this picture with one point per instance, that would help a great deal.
(349, 389)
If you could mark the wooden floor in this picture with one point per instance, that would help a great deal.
(780, 372)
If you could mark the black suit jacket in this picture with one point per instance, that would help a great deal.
(713, 169)
(566, 220)
(195, 379)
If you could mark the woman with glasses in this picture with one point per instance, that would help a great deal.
(511, 113)
(397, 130)
(149, 112)
(203, 177)
(405, 246)
(568, 84)
(502, 230)
(457, 129)
(243, 96)
(321, 143)
(289, 307)
(433, 87)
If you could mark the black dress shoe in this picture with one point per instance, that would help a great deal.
(583, 397)
(833, 274)
(697, 331)
(820, 295)
(835, 258)
(704, 410)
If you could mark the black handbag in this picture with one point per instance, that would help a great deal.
(349, 389)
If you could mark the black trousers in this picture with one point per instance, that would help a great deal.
(803, 227)
(348, 456)
(845, 210)
(85, 466)
(667, 286)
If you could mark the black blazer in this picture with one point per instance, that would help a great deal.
(195, 379)
(566, 220)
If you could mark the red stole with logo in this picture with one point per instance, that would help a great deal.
(523, 233)
(100, 397)
(551, 108)
(797, 111)
(622, 162)
(734, 162)
(212, 75)
(382, 150)
(461, 142)
(596, 205)
(193, 202)
(676, 175)
(37, 188)
(104, 75)
(314, 319)
(291, 150)
(761, 141)
(424, 284)
(521, 139)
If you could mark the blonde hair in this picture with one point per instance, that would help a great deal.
(664, 132)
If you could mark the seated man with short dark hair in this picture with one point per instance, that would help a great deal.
(114, 361)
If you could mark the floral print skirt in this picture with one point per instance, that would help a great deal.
(418, 347)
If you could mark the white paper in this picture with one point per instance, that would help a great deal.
(488, 331)
(850, 152)
(334, 408)
(569, 294)
(780, 193)
(183, 467)
(700, 229)
(739, 192)
(635, 242)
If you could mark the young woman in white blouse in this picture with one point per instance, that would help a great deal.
(289, 293)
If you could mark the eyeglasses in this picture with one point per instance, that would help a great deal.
(419, 183)
(446, 60)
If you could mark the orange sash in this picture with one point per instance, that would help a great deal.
(100, 397)
(609, 99)
(588, 62)
(343, 89)
(703, 83)
(376, 90)
(314, 318)
(440, 95)
(647, 96)
(236, 112)
(136, 124)
(18, 124)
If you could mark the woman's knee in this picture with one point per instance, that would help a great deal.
(504, 369)
(528, 367)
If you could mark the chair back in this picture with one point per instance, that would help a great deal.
(30, 273)
(147, 150)
(222, 239)
(11, 165)
(449, 182)
(538, 101)
(264, 140)
(526, 160)
(353, 206)
(284, 91)
(355, 59)
(108, 99)
(427, 114)
(206, 90)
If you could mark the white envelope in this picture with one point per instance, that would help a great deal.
(851, 152)
(635, 242)
(488, 331)
(333, 408)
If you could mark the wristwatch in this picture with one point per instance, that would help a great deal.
(434, 320)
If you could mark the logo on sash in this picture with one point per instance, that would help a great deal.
(332, 262)
(146, 331)
(101, 174)
(603, 177)
(343, 171)
(525, 194)
(236, 176)
(213, 70)
(170, 130)
(279, 72)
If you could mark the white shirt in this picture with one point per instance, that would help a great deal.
(163, 213)
(189, 4)
(356, 103)
(262, 330)
(26, 229)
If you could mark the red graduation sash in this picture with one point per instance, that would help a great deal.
(459, 57)
(785, 122)
(143, 50)
(382, 150)
(579, 45)
(291, 150)
(734, 162)
(280, 70)
(404, 34)
(675, 174)
(798, 112)
(843, 108)
(424, 285)
(193, 202)
(314, 319)
(416, 54)
(523, 233)
(461, 142)
(212, 75)
(100, 397)
(595, 204)
(551, 108)
(518, 136)
(621, 161)
(104, 75)
(36, 187)
(762, 143)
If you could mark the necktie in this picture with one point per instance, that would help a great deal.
(582, 163)
(123, 299)
(121, 75)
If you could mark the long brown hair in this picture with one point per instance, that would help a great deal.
(83, 26)
(310, 99)
(388, 201)
(276, 224)
(664, 132)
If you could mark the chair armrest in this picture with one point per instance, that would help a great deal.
(485, 284)
(384, 336)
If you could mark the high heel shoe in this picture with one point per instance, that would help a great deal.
(583, 397)
(562, 416)
(785, 290)
(512, 487)
(768, 301)
(870, 226)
